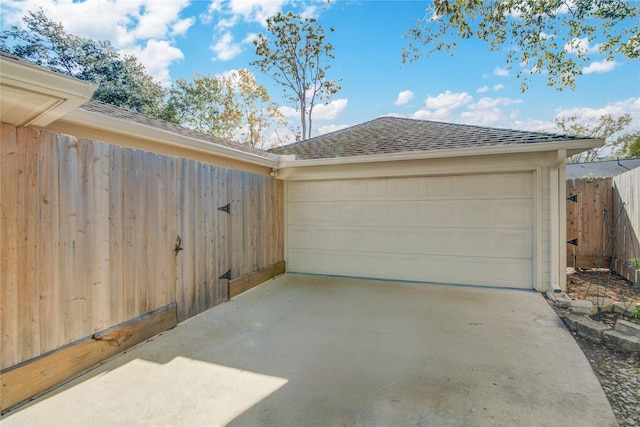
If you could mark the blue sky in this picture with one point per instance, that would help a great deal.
(176, 38)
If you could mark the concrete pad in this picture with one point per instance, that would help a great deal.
(627, 328)
(582, 307)
(318, 351)
(586, 327)
(621, 341)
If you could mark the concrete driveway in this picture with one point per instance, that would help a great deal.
(317, 351)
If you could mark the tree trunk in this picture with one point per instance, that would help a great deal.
(303, 118)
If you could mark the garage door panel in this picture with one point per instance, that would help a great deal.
(470, 229)
(514, 185)
(425, 241)
(474, 213)
(440, 269)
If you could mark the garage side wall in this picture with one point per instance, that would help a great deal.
(98, 241)
(535, 165)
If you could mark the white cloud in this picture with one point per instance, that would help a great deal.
(501, 72)
(225, 48)
(535, 125)
(581, 45)
(404, 97)
(249, 38)
(228, 13)
(320, 111)
(448, 100)
(483, 89)
(157, 55)
(481, 117)
(488, 111)
(145, 28)
(289, 111)
(255, 10)
(592, 115)
(588, 115)
(442, 106)
(331, 128)
(600, 67)
(182, 26)
(329, 111)
(490, 103)
(498, 87)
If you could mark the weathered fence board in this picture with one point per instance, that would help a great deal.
(88, 234)
(626, 207)
(585, 220)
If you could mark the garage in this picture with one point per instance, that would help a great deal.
(472, 229)
(424, 201)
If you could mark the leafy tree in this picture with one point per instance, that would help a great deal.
(608, 128)
(542, 36)
(258, 114)
(203, 104)
(297, 58)
(123, 80)
(231, 106)
(630, 145)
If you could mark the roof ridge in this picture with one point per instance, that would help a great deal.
(393, 135)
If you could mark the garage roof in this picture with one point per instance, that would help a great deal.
(391, 135)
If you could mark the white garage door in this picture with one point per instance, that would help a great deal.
(467, 229)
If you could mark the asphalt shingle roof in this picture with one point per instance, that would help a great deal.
(601, 169)
(124, 114)
(390, 135)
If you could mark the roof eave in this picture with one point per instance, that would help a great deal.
(51, 95)
(571, 146)
(139, 130)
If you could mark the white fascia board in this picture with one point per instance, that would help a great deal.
(571, 146)
(68, 92)
(126, 127)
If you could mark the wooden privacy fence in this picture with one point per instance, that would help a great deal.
(626, 207)
(586, 201)
(603, 222)
(93, 235)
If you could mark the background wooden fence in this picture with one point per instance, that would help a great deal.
(604, 223)
(89, 231)
(626, 207)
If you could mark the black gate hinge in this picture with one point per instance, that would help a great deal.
(573, 198)
(226, 275)
(573, 242)
(226, 208)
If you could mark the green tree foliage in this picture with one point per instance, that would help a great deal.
(297, 57)
(200, 104)
(230, 106)
(608, 128)
(630, 146)
(540, 36)
(123, 80)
